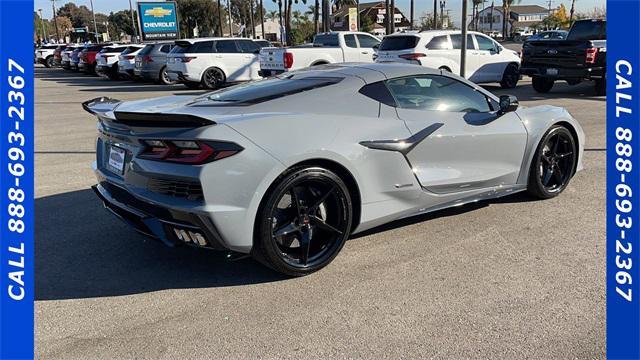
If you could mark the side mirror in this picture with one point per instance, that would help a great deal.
(376, 46)
(508, 103)
(498, 49)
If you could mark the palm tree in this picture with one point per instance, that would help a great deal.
(476, 6)
(506, 15)
(262, 18)
(341, 3)
(316, 16)
(272, 15)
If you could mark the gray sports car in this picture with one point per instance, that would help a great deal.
(286, 168)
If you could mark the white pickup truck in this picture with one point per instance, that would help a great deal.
(328, 48)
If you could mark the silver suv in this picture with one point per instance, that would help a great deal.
(151, 62)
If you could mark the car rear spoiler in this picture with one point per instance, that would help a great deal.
(100, 106)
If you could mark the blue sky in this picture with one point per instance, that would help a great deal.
(106, 6)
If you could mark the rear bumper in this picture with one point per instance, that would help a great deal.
(104, 69)
(179, 76)
(563, 73)
(269, 73)
(149, 75)
(170, 226)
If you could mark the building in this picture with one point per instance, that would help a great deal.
(522, 18)
(375, 12)
(271, 30)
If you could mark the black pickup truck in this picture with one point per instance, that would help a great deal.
(582, 56)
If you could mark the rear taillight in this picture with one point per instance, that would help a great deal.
(414, 56)
(185, 59)
(129, 57)
(147, 59)
(288, 60)
(107, 56)
(188, 151)
(591, 55)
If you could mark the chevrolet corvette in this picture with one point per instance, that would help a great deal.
(287, 168)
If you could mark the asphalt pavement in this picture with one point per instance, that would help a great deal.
(513, 278)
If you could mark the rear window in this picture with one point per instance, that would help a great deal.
(130, 49)
(114, 50)
(391, 43)
(146, 50)
(95, 48)
(265, 90)
(181, 47)
(326, 40)
(588, 30)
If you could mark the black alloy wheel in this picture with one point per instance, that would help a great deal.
(541, 84)
(49, 62)
(510, 77)
(553, 164)
(164, 77)
(212, 78)
(304, 222)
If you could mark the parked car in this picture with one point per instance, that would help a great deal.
(549, 35)
(127, 59)
(107, 61)
(75, 57)
(44, 54)
(57, 55)
(327, 48)
(65, 56)
(151, 63)
(88, 60)
(287, 168)
(582, 56)
(213, 62)
(487, 61)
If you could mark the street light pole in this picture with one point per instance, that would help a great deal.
(95, 26)
(442, 5)
(55, 22)
(133, 22)
(435, 14)
(463, 42)
(393, 16)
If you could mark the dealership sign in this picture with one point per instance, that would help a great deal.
(158, 20)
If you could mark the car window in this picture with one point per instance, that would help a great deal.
(264, 90)
(146, 50)
(227, 46)
(248, 46)
(392, 43)
(350, 41)
(367, 41)
(436, 93)
(202, 47)
(129, 50)
(484, 43)
(438, 43)
(456, 41)
(165, 48)
(327, 40)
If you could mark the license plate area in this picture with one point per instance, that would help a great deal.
(552, 71)
(116, 159)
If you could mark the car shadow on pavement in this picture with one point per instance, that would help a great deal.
(83, 251)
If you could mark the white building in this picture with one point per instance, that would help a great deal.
(523, 17)
(271, 30)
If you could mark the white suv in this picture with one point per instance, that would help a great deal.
(487, 61)
(212, 62)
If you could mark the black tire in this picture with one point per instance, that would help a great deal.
(600, 87)
(48, 62)
(213, 78)
(541, 84)
(553, 164)
(113, 72)
(163, 77)
(299, 240)
(444, 68)
(192, 85)
(510, 77)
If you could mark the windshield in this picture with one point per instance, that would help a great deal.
(269, 89)
(398, 43)
(588, 30)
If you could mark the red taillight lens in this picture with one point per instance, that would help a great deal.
(591, 55)
(129, 57)
(186, 59)
(288, 60)
(414, 56)
(188, 151)
(147, 59)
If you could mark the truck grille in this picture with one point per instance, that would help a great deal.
(181, 189)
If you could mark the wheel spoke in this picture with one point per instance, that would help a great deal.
(323, 225)
(295, 203)
(558, 175)
(322, 199)
(286, 229)
(547, 176)
(305, 244)
(564, 155)
(546, 159)
(554, 150)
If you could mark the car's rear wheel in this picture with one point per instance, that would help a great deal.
(113, 72)
(541, 84)
(164, 77)
(553, 163)
(48, 62)
(304, 222)
(212, 78)
(510, 77)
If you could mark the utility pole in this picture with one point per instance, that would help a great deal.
(411, 27)
(253, 25)
(133, 23)
(229, 8)
(95, 26)
(491, 23)
(262, 19)
(393, 16)
(435, 14)
(387, 14)
(55, 22)
(442, 5)
(463, 42)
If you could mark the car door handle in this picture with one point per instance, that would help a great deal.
(365, 52)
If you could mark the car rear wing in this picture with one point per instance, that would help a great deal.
(102, 105)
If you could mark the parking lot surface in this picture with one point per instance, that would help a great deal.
(511, 278)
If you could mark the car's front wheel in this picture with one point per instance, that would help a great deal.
(541, 84)
(510, 77)
(304, 221)
(49, 62)
(164, 77)
(212, 78)
(553, 163)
